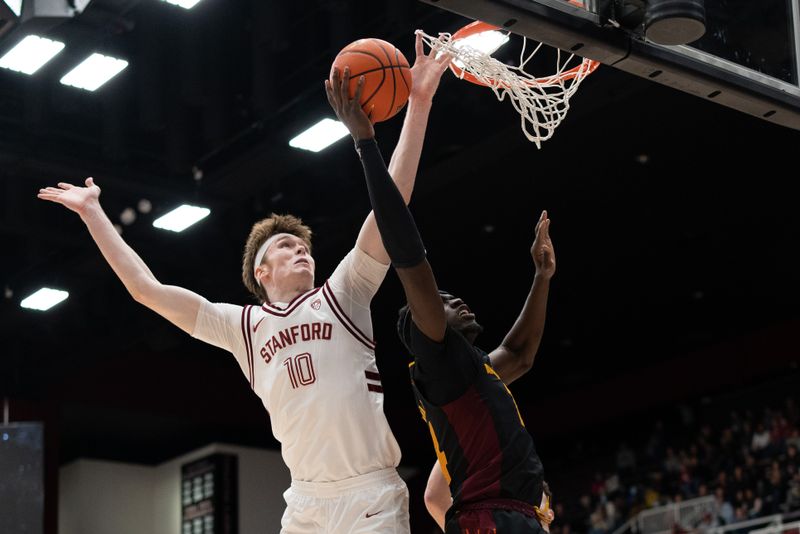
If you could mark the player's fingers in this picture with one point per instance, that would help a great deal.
(89, 182)
(336, 83)
(52, 190)
(65, 185)
(359, 90)
(329, 94)
(418, 48)
(48, 196)
(345, 80)
(432, 52)
(444, 59)
(540, 223)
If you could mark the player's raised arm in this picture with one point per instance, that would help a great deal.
(425, 75)
(515, 355)
(397, 228)
(177, 305)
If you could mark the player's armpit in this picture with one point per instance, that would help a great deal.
(508, 365)
(423, 298)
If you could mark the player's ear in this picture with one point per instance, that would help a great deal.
(262, 271)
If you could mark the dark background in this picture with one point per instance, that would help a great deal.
(674, 222)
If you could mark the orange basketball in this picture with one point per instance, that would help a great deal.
(387, 76)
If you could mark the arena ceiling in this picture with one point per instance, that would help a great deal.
(675, 224)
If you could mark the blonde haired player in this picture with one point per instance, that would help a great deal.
(307, 353)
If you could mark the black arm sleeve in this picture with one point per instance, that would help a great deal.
(398, 230)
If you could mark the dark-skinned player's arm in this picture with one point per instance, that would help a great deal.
(514, 357)
(397, 228)
(426, 74)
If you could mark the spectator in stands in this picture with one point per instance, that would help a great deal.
(739, 480)
(793, 493)
(794, 438)
(760, 441)
(753, 465)
(672, 463)
(722, 508)
(773, 493)
(756, 507)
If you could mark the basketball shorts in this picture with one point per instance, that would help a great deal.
(375, 503)
(493, 517)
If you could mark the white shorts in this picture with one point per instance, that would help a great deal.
(375, 503)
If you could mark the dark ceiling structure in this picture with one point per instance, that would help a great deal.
(674, 220)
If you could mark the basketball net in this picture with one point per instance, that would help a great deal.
(541, 102)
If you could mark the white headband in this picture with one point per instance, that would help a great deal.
(263, 250)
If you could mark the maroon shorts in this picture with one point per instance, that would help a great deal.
(495, 516)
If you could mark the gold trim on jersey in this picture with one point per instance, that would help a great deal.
(440, 455)
(491, 371)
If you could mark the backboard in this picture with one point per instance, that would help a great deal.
(748, 59)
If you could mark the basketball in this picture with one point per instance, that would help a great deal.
(387, 76)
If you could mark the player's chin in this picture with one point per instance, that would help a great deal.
(304, 269)
(471, 327)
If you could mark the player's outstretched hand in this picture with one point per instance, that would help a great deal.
(544, 257)
(348, 109)
(76, 198)
(427, 71)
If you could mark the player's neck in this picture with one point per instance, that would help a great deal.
(287, 292)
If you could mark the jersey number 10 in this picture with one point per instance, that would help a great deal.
(301, 370)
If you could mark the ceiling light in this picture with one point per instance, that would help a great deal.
(96, 70)
(485, 42)
(31, 54)
(186, 4)
(181, 218)
(321, 135)
(15, 5)
(44, 299)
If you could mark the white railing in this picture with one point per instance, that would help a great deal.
(664, 518)
(778, 529)
(625, 527)
(690, 515)
(748, 526)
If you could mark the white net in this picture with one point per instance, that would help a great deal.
(542, 103)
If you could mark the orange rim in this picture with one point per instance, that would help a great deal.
(480, 27)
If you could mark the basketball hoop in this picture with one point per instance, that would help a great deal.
(541, 102)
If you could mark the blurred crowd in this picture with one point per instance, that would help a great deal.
(748, 461)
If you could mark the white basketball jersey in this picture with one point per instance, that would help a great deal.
(316, 375)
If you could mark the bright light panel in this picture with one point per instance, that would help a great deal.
(15, 5)
(181, 218)
(186, 4)
(96, 70)
(31, 54)
(486, 42)
(44, 299)
(321, 135)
